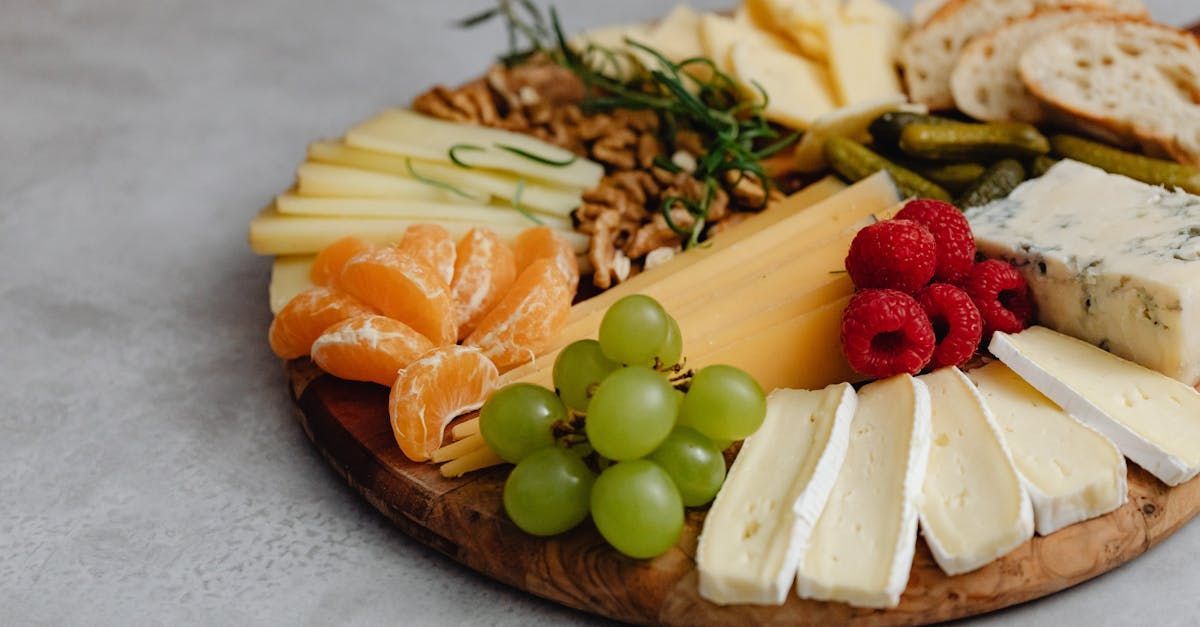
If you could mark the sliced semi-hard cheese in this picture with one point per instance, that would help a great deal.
(1110, 260)
(534, 195)
(861, 550)
(325, 180)
(677, 36)
(798, 89)
(974, 508)
(719, 34)
(862, 59)
(1152, 418)
(759, 525)
(484, 215)
(1072, 473)
(410, 134)
(289, 276)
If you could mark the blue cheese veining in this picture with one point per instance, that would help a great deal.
(1110, 260)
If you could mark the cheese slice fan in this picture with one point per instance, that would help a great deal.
(759, 525)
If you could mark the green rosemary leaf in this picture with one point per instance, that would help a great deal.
(454, 156)
(434, 182)
(538, 158)
(516, 203)
(478, 18)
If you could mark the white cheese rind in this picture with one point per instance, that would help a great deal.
(974, 508)
(1110, 260)
(862, 547)
(1071, 471)
(758, 527)
(1153, 419)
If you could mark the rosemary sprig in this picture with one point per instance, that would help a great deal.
(693, 94)
(434, 182)
(516, 203)
(538, 158)
(453, 152)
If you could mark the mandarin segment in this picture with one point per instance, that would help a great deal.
(368, 348)
(484, 270)
(518, 328)
(327, 267)
(433, 245)
(439, 386)
(306, 317)
(543, 243)
(405, 289)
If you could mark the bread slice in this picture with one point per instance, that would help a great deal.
(929, 53)
(985, 82)
(1134, 80)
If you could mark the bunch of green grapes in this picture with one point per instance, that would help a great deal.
(627, 435)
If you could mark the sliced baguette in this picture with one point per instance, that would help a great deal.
(986, 83)
(1132, 80)
(929, 53)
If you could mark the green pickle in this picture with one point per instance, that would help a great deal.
(962, 141)
(998, 182)
(953, 176)
(885, 130)
(1146, 169)
(1041, 164)
(854, 162)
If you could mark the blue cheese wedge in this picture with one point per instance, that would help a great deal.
(759, 525)
(861, 550)
(1152, 418)
(1110, 260)
(974, 508)
(1071, 471)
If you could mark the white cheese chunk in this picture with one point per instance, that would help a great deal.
(759, 525)
(1110, 260)
(861, 550)
(1072, 472)
(289, 277)
(974, 507)
(1153, 419)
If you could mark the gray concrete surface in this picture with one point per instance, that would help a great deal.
(150, 469)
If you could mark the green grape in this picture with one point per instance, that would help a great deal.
(548, 492)
(671, 351)
(694, 463)
(631, 413)
(724, 403)
(577, 368)
(722, 444)
(516, 420)
(634, 329)
(637, 508)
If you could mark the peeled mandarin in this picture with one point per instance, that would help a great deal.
(432, 244)
(368, 348)
(518, 328)
(484, 270)
(543, 243)
(439, 386)
(403, 288)
(306, 317)
(327, 267)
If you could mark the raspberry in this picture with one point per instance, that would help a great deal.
(894, 254)
(951, 231)
(1002, 296)
(956, 324)
(885, 332)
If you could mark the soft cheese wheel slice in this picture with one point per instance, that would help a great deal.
(974, 507)
(1152, 418)
(1072, 473)
(862, 547)
(760, 523)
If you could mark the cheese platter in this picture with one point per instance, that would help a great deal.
(729, 318)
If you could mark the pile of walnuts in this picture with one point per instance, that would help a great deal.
(622, 214)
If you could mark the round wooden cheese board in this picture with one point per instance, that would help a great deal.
(464, 519)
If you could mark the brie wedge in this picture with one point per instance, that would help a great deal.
(861, 550)
(1072, 473)
(759, 525)
(974, 508)
(1152, 418)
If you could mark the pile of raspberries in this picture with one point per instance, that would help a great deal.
(922, 301)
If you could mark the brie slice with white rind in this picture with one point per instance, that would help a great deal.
(1071, 471)
(759, 525)
(974, 508)
(862, 548)
(1152, 418)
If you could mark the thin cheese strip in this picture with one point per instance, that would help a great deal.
(457, 449)
(477, 460)
(465, 429)
(412, 209)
